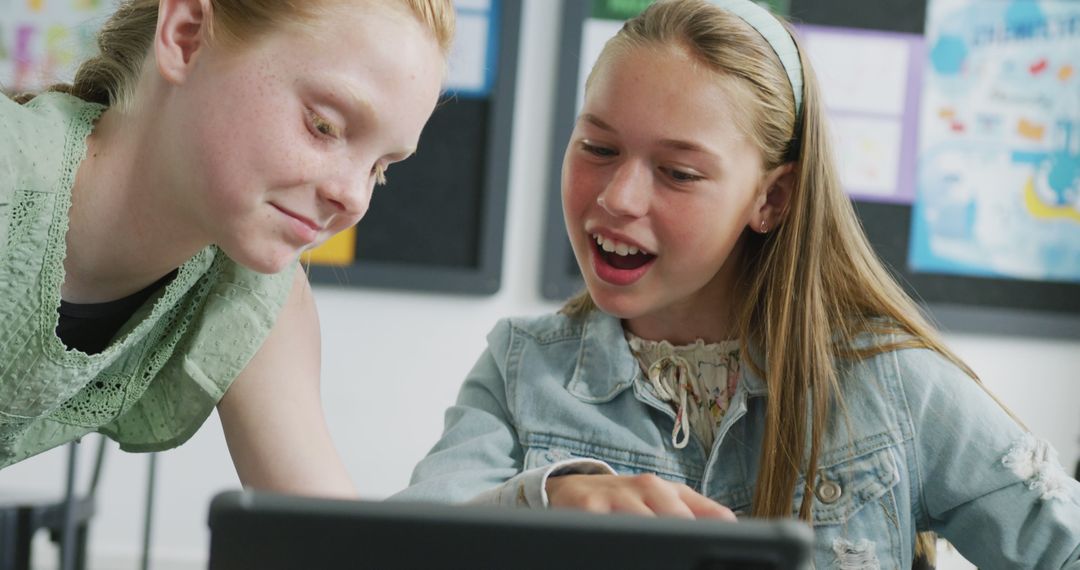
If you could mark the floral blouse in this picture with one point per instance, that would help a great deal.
(698, 380)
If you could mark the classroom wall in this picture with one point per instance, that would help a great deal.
(393, 362)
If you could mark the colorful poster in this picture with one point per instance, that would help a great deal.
(43, 41)
(999, 149)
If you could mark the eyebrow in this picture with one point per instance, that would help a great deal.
(347, 94)
(596, 121)
(344, 92)
(676, 144)
(686, 145)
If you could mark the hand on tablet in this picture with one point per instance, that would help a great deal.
(647, 495)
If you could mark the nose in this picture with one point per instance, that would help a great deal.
(627, 192)
(347, 194)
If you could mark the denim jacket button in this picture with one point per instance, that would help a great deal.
(829, 492)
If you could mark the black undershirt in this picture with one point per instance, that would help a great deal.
(90, 327)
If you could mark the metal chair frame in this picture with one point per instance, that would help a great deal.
(67, 520)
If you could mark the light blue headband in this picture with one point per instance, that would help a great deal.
(778, 37)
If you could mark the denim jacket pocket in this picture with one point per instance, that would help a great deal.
(845, 488)
(855, 512)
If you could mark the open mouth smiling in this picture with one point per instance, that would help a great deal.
(620, 255)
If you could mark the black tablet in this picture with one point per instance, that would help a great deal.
(267, 532)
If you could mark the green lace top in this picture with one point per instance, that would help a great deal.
(167, 367)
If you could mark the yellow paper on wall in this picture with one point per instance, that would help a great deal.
(338, 250)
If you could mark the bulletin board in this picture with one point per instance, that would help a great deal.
(877, 129)
(438, 223)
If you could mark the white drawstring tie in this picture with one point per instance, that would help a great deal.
(669, 376)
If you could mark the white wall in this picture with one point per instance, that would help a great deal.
(393, 362)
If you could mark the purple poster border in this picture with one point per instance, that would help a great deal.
(908, 163)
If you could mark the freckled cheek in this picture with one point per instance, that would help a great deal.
(221, 185)
(271, 136)
(573, 202)
(580, 189)
(686, 230)
(292, 167)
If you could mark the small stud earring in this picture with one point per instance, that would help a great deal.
(764, 227)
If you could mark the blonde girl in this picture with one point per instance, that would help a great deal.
(740, 350)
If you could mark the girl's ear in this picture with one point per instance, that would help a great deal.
(182, 28)
(773, 197)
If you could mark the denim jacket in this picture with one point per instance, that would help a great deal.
(923, 448)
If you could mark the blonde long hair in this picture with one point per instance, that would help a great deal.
(109, 78)
(810, 287)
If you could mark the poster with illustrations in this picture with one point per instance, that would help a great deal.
(43, 41)
(998, 186)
